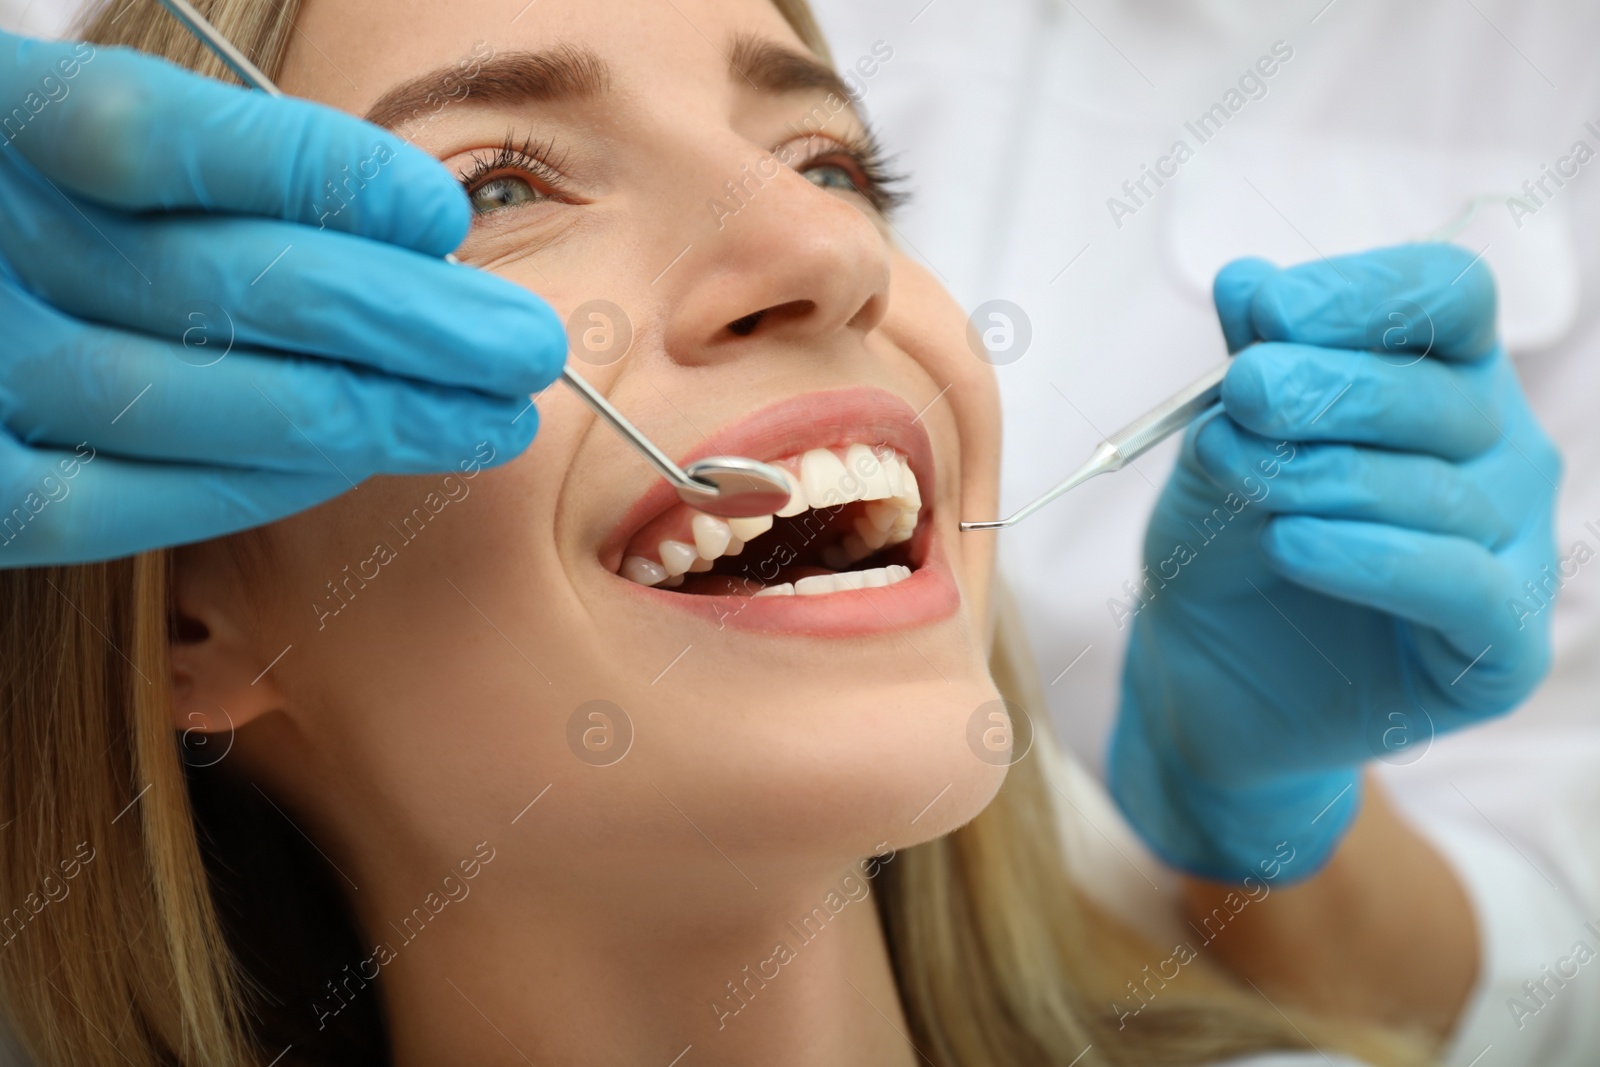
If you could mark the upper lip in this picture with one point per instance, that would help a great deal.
(829, 419)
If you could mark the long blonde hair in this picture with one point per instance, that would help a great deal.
(138, 956)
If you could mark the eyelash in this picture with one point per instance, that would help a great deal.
(537, 159)
(874, 178)
(880, 183)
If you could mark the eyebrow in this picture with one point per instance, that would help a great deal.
(565, 72)
(772, 68)
(554, 74)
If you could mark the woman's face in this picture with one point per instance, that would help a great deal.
(688, 174)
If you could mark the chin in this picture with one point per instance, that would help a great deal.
(863, 771)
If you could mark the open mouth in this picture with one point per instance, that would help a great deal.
(851, 523)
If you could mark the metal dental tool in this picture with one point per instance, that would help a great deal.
(1130, 442)
(731, 486)
(1177, 411)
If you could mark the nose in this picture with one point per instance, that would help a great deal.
(778, 259)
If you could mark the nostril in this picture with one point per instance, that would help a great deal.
(793, 311)
(746, 326)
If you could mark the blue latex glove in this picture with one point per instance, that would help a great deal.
(152, 220)
(1336, 570)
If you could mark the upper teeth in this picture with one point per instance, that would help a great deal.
(820, 478)
(712, 535)
(750, 529)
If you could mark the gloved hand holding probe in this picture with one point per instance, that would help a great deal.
(1336, 570)
(221, 308)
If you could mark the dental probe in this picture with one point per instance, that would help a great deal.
(733, 487)
(1130, 442)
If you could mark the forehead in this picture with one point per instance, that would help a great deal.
(350, 53)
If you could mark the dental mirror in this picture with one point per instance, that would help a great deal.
(744, 488)
(730, 486)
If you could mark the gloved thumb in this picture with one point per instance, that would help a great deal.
(1233, 292)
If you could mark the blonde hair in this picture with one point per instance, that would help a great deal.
(1000, 959)
(126, 962)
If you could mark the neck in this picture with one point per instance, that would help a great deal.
(607, 966)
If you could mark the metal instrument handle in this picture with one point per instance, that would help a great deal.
(1178, 411)
(223, 48)
(612, 417)
(1128, 443)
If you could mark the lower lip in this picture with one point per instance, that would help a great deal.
(928, 596)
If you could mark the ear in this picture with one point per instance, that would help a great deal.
(220, 679)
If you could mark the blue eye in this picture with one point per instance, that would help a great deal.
(515, 175)
(831, 176)
(503, 192)
(851, 164)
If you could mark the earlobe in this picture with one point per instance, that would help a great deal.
(220, 680)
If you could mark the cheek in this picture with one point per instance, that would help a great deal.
(454, 658)
(925, 322)
(376, 589)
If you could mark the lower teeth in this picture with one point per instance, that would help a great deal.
(822, 584)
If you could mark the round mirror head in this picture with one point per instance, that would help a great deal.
(735, 487)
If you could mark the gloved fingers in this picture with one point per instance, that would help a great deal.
(1433, 299)
(1302, 392)
(82, 505)
(1340, 481)
(1448, 584)
(1233, 292)
(282, 287)
(204, 399)
(141, 134)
